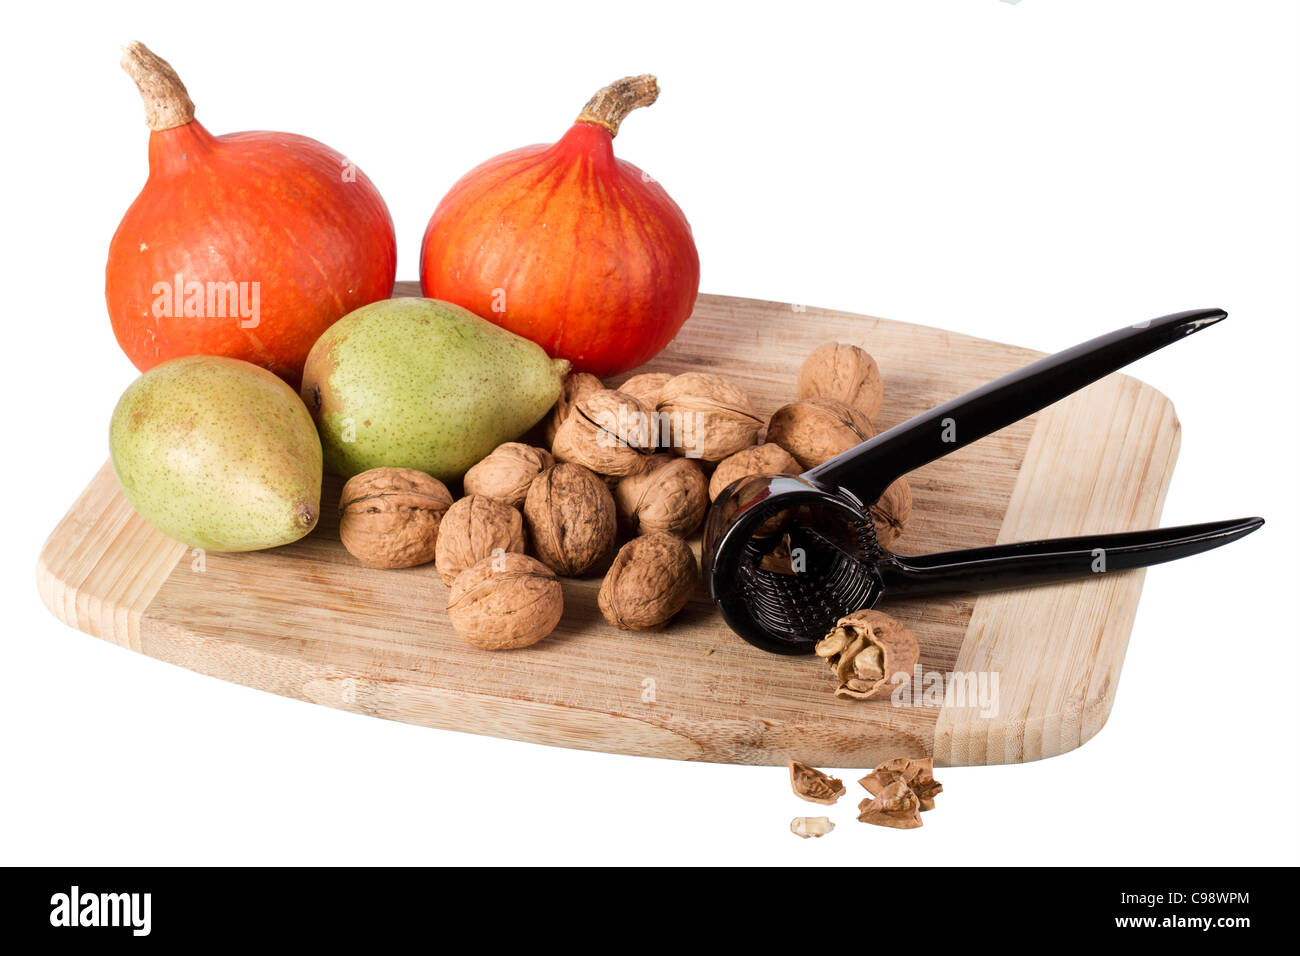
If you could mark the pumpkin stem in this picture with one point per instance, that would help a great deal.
(610, 106)
(166, 103)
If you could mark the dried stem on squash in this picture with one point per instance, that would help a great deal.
(167, 104)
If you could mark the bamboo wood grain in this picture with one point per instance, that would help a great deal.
(306, 621)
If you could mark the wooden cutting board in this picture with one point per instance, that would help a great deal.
(307, 621)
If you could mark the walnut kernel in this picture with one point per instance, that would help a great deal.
(389, 517)
(866, 650)
(805, 827)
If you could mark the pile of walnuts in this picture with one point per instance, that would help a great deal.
(639, 463)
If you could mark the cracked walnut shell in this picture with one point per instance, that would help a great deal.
(607, 432)
(811, 784)
(506, 601)
(474, 528)
(650, 580)
(389, 517)
(670, 495)
(571, 519)
(896, 806)
(815, 430)
(866, 649)
(506, 473)
(843, 372)
(766, 459)
(782, 559)
(917, 774)
(704, 416)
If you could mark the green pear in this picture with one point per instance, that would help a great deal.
(217, 453)
(424, 384)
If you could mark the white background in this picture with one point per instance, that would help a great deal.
(1034, 173)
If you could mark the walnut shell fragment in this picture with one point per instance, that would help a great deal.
(651, 579)
(845, 373)
(781, 559)
(574, 386)
(811, 784)
(571, 519)
(766, 459)
(506, 473)
(866, 650)
(918, 775)
(815, 430)
(475, 528)
(704, 416)
(506, 601)
(670, 495)
(890, 513)
(646, 387)
(896, 807)
(607, 432)
(390, 517)
(805, 827)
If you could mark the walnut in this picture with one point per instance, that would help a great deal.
(575, 385)
(917, 774)
(768, 459)
(506, 473)
(843, 372)
(890, 513)
(646, 387)
(389, 517)
(670, 495)
(896, 806)
(505, 601)
(805, 827)
(866, 649)
(809, 783)
(650, 580)
(607, 432)
(704, 416)
(474, 528)
(571, 519)
(815, 430)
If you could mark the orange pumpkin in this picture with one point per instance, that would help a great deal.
(248, 245)
(568, 245)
